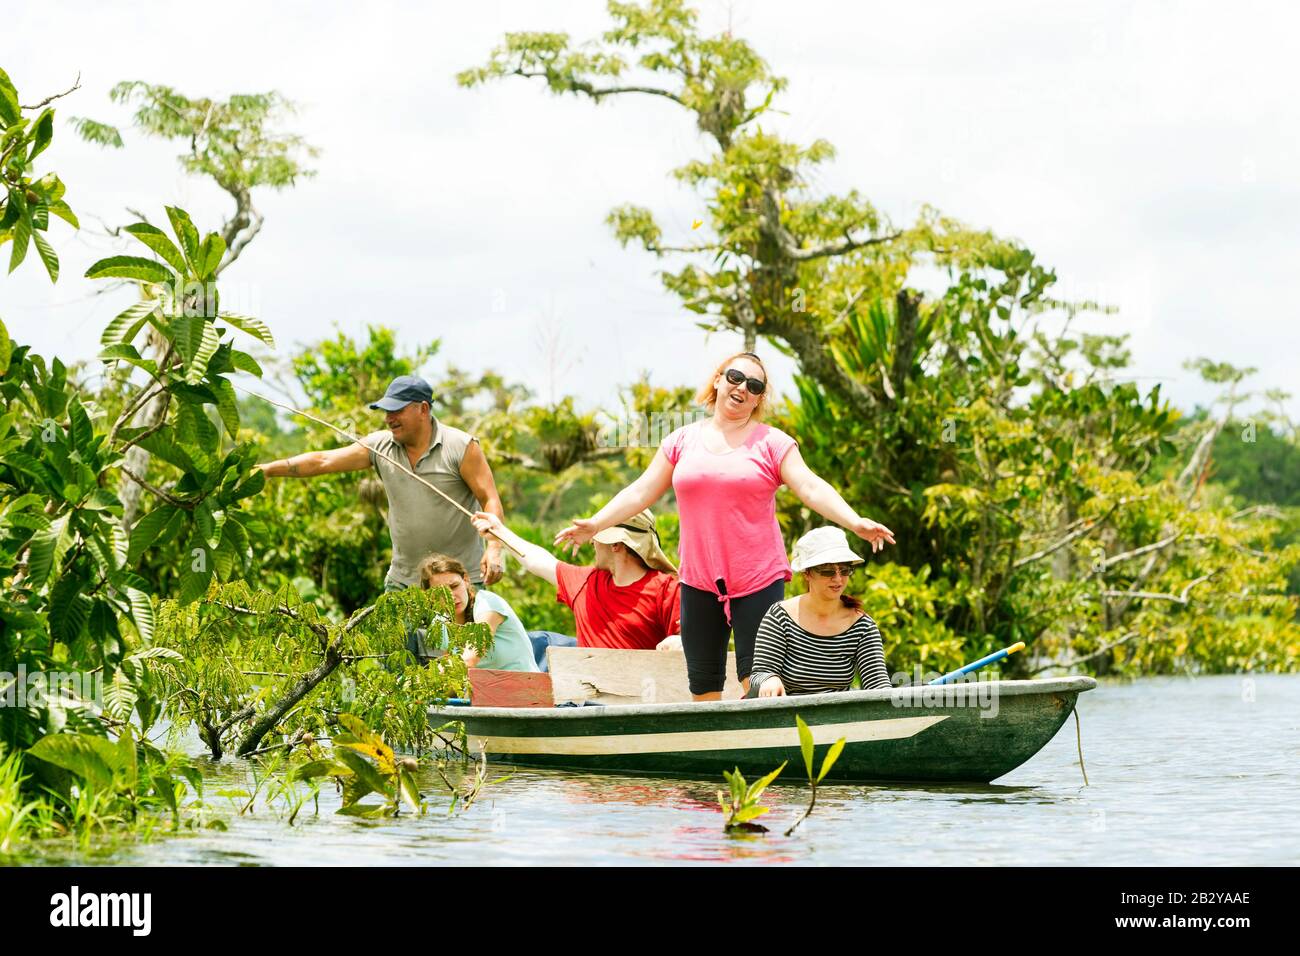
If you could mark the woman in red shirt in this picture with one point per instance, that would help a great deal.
(725, 471)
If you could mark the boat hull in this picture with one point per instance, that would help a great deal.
(969, 732)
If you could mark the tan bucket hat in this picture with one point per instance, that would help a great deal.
(826, 545)
(638, 533)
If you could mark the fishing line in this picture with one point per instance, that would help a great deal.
(402, 468)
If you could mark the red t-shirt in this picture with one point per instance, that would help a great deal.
(636, 616)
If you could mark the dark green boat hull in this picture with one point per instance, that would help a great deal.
(973, 732)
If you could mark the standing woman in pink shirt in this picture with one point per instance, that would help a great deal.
(725, 471)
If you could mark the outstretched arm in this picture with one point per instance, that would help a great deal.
(814, 492)
(633, 499)
(354, 457)
(536, 560)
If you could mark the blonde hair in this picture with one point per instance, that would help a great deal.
(446, 564)
(708, 395)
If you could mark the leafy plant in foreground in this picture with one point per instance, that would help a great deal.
(363, 764)
(255, 666)
(806, 747)
(743, 807)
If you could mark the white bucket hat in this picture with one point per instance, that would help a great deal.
(827, 545)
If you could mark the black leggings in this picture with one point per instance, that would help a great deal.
(705, 633)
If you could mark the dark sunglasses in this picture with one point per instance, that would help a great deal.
(830, 570)
(756, 386)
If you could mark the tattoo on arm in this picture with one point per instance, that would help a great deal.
(293, 468)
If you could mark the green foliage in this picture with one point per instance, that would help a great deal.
(68, 588)
(101, 134)
(74, 598)
(231, 141)
(1257, 464)
(180, 305)
(26, 200)
(363, 765)
(92, 787)
(717, 73)
(740, 807)
(15, 809)
(806, 748)
(1017, 506)
(1003, 451)
(255, 665)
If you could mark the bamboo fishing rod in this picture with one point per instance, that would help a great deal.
(402, 468)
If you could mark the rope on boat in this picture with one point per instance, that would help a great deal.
(1078, 732)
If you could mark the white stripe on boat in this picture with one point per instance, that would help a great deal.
(856, 732)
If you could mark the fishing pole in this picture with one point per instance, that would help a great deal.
(402, 468)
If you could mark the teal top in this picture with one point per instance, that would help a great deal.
(511, 650)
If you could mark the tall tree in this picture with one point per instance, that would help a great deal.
(235, 143)
(1012, 459)
(780, 261)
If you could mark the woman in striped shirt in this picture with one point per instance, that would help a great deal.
(816, 642)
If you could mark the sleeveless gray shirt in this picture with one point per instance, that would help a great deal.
(420, 522)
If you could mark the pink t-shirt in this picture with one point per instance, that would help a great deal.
(727, 505)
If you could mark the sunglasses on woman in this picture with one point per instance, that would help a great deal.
(831, 570)
(756, 386)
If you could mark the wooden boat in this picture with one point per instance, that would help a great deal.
(965, 732)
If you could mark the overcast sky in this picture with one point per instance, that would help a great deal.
(1149, 152)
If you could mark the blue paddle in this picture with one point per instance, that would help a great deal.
(982, 662)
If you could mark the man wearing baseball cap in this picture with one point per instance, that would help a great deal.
(419, 521)
(629, 598)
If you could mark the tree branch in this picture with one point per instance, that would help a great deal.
(317, 628)
(1154, 596)
(243, 227)
(1080, 660)
(305, 685)
(582, 86)
(1137, 552)
(142, 436)
(157, 492)
(131, 409)
(660, 250)
(837, 248)
(1086, 528)
(769, 221)
(76, 85)
(272, 716)
(816, 360)
(1268, 511)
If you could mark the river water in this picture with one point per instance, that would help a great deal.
(1181, 771)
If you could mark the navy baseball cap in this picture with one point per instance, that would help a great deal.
(404, 390)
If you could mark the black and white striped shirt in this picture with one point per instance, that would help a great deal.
(814, 663)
